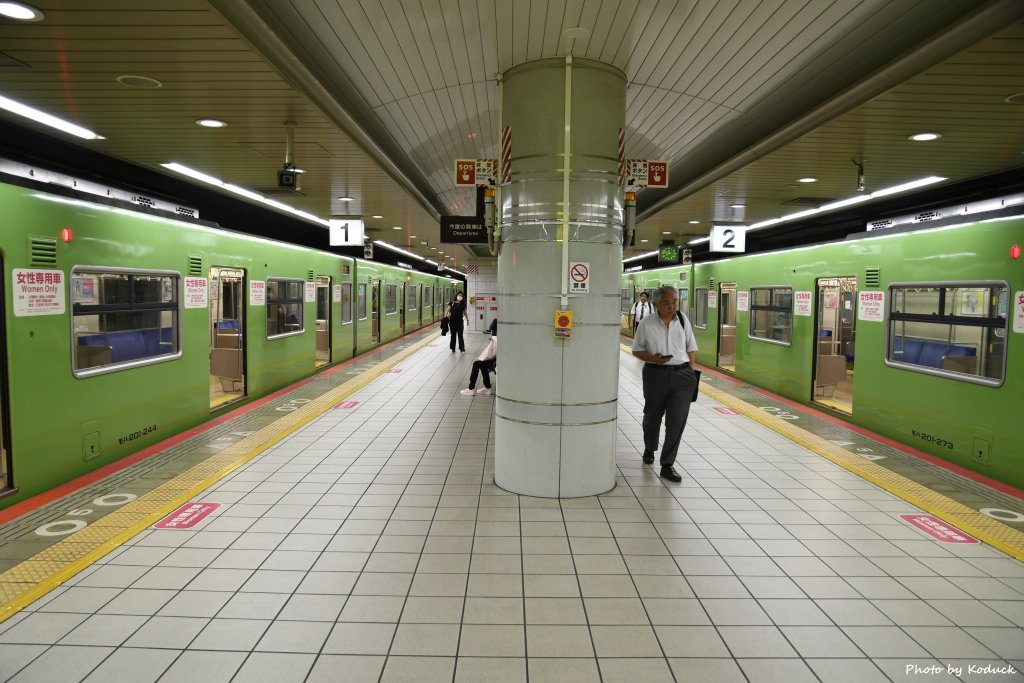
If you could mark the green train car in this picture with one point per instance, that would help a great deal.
(122, 328)
(917, 336)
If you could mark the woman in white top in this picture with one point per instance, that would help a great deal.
(641, 309)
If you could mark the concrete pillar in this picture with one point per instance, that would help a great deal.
(557, 398)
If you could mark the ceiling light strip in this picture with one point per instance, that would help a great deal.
(42, 117)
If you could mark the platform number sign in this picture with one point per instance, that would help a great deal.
(728, 239)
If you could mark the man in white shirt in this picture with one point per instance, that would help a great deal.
(666, 344)
(641, 309)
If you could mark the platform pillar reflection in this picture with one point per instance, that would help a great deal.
(555, 410)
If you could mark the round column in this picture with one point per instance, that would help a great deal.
(557, 398)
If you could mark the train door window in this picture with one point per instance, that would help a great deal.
(727, 326)
(700, 308)
(834, 348)
(323, 320)
(375, 312)
(390, 299)
(771, 314)
(361, 301)
(227, 335)
(400, 295)
(123, 318)
(346, 303)
(285, 306)
(428, 301)
(953, 329)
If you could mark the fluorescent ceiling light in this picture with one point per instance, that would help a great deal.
(799, 214)
(47, 119)
(700, 240)
(346, 199)
(845, 202)
(400, 251)
(375, 216)
(924, 137)
(637, 258)
(807, 180)
(248, 194)
(737, 206)
(907, 186)
(694, 222)
(211, 123)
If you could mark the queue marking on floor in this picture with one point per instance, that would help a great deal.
(28, 581)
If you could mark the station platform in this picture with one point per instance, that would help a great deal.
(348, 529)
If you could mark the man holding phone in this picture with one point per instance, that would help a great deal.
(666, 344)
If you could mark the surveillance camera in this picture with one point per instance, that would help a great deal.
(288, 180)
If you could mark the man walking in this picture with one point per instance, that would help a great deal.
(666, 344)
(641, 309)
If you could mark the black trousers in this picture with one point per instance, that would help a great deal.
(456, 331)
(484, 367)
(668, 392)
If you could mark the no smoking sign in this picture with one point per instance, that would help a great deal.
(579, 277)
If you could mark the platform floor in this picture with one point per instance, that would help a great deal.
(369, 543)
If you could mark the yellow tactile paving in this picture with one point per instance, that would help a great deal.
(982, 527)
(28, 581)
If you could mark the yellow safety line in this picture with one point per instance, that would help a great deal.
(28, 581)
(982, 527)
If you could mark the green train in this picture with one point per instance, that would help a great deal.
(913, 334)
(123, 327)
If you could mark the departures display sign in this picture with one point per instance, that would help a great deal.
(463, 230)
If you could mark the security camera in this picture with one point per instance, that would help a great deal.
(288, 180)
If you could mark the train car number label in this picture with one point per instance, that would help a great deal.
(1018, 311)
(871, 306)
(187, 516)
(37, 292)
(137, 434)
(937, 529)
(941, 443)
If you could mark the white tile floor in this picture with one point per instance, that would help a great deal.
(373, 546)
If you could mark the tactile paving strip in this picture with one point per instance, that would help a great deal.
(33, 578)
(993, 532)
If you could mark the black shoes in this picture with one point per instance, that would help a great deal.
(648, 457)
(670, 474)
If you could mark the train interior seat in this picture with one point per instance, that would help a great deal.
(128, 345)
(928, 352)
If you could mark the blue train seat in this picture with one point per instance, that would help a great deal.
(927, 352)
(129, 345)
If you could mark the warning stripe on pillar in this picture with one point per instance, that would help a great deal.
(622, 156)
(506, 155)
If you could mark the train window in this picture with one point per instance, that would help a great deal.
(346, 302)
(955, 329)
(700, 308)
(428, 298)
(771, 314)
(390, 299)
(122, 318)
(285, 304)
(361, 301)
(625, 299)
(411, 298)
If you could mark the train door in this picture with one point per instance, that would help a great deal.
(375, 311)
(835, 333)
(323, 320)
(417, 297)
(402, 305)
(727, 326)
(227, 335)
(5, 463)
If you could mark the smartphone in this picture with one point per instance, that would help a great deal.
(666, 357)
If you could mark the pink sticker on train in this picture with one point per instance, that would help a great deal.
(187, 516)
(936, 528)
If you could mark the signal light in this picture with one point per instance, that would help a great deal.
(1015, 252)
(65, 234)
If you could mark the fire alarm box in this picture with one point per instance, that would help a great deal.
(563, 324)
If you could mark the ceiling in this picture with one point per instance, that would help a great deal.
(743, 97)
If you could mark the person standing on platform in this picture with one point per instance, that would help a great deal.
(666, 344)
(641, 309)
(456, 313)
